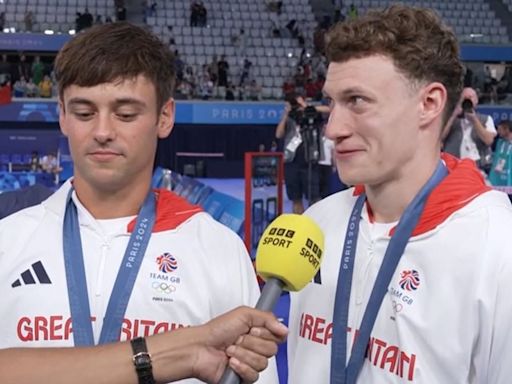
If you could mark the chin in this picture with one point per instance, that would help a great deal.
(351, 178)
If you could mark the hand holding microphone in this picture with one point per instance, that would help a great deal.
(288, 257)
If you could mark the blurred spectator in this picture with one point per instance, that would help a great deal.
(310, 89)
(183, 90)
(34, 162)
(502, 129)
(468, 77)
(276, 25)
(172, 41)
(288, 87)
(318, 64)
(299, 80)
(202, 14)
(87, 18)
(313, 88)
(292, 28)
(198, 14)
(32, 90)
(29, 21)
(150, 8)
(205, 85)
(45, 87)
(37, 70)
(213, 70)
(121, 14)
(223, 67)
(305, 62)
(54, 84)
(230, 92)
(501, 170)
(5, 69)
(193, 14)
(204, 71)
(5, 92)
(338, 16)
(489, 78)
(246, 69)
(20, 87)
(98, 20)
(240, 42)
(2, 21)
(23, 67)
(352, 12)
(274, 6)
(469, 134)
(108, 19)
(190, 78)
(326, 23)
(179, 65)
(79, 22)
(319, 85)
(318, 40)
(50, 163)
(254, 91)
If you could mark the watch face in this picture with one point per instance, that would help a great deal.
(142, 360)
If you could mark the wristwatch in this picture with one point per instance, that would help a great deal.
(142, 361)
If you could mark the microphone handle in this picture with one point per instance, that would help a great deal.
(268, 299)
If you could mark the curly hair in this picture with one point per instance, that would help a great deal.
(113, 52)
(421, 46)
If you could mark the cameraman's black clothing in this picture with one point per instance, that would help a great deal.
(296, 166)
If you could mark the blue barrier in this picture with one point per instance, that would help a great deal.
(10, 181)
(187, 112)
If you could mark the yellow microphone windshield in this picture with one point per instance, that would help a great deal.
(290, 249)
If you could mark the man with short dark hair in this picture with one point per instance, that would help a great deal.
(110, 265)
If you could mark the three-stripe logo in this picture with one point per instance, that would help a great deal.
(27, 277)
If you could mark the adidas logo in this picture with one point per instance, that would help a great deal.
(28, 276)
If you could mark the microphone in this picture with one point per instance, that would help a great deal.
(288, 257)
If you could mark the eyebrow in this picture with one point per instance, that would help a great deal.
(345, 92)
(117, 102)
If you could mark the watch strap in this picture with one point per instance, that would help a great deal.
(142, 361)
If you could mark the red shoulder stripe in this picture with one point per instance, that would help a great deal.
(463, 184)
(171, 211)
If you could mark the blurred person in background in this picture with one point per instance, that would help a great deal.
(468, 133)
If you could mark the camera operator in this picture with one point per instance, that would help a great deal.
(301, 173)
(469, 134)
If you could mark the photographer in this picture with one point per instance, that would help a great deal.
(301, 173)
(469, 134)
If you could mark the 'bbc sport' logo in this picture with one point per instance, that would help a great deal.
(313, 247)
(409, 280)
(167, 263)
(281, 232)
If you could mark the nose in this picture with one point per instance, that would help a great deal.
(337, 124)
(104, 129)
